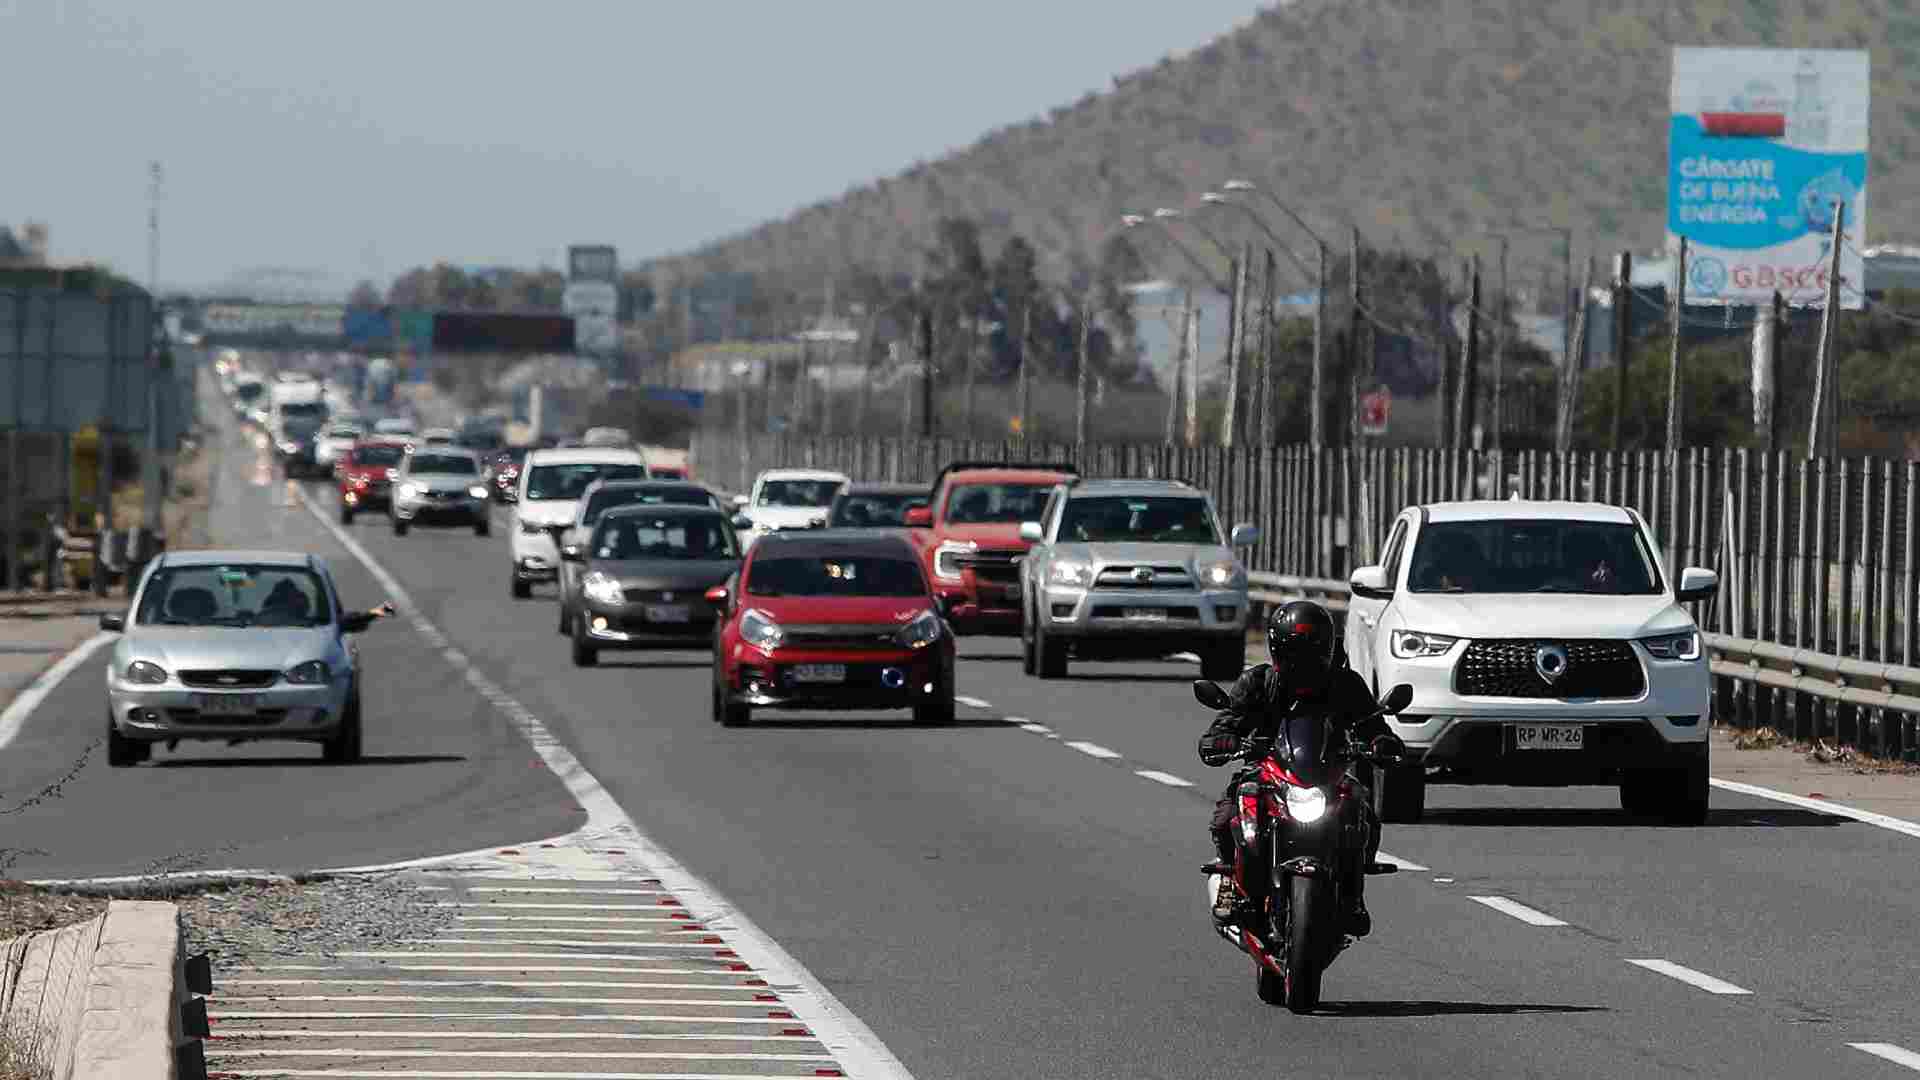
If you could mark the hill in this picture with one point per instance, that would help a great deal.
(1421, 121)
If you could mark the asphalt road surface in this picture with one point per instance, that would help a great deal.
(1018, 896)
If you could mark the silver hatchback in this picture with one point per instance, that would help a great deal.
(234, 646)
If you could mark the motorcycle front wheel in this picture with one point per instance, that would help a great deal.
(1309, 919)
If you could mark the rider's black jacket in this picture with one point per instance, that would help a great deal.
(1260, 697)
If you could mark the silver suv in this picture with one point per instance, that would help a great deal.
(1133, 569)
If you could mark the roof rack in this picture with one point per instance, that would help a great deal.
(1035, 466)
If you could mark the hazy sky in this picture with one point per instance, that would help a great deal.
(362, 137)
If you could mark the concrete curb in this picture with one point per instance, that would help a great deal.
(106, 997)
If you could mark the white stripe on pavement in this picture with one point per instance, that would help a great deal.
(514, 1018)
(434, 999)
(556, 984)
(1094, 750)
(1899, 1055)
(1899, 825)
(495, 906)
(521, 968)
(1405, 864)
(575, 919)
(573, 929)
(1162, 778)
(1691, 977)
(14, 717)
(1519, 911)
(598, 1036)
(226, 1050)
(412, 1074)
(404, 955)
(970, 702)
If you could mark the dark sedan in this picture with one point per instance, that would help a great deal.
(602, 496)
(644, 573)
(859, 506)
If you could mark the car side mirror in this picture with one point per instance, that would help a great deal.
(1371, 583)
(742, 522)
(1697, 583)
(817, 523)
(1397, 699)
(919, 517)
(1245, 535)
(717, 596)
(1031, 532)
(356, 622)
(113, 624)
(572, 553)
(1208, 693)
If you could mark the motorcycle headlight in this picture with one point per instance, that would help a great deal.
(923, 631)
(477, 491)
(758, 629)
(408, 491)
(1673, 646)
(1218, 573)
(146, 673)
(311, 673)
(1070, 573)
(601, 589)
(946, 558)
(1412, 644)
(1306, 805)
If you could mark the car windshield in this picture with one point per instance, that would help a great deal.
(797, 493)
(378, 455)
(570, 481)
(344, 433)
(441, 465)
(848, 574)
(680, 536)
(856, 511)
(1533, 555)
(1148, 520)
(249, 391)
(303, 409)
(603, 501)
(234, 595)
(981, 504)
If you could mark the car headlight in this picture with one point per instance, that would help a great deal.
(1069, 572)
(1218, 573)
(362, 482)
(1306, 805)
(758, 629)
(408, 491)
(946, 558)
(146, 673)
(288, 446)
(1673, 646)
(923, 631)
(532, 528)
(311, 673)
(1412, 644)
(477, 491)
(602, 589)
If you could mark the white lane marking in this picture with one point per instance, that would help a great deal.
(598, 1036)
(1899, 825)
(433, 999)
(554, 969)
(545, 942)
(1519, 911)
(857, 1049)
(404, 955)
(240, 1050)
(610, 930)
(14, 719)
(1899, 1055)
(414, 1074)
(512, 1018)
(493, 905)
(560, 892)
(1094, 750)
(1162, 778)
(537, 984)
(1405, 864)
(1039, 729)
(622, 919)
(970, 702)
(1691, 977)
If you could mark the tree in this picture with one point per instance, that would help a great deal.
(364, 295)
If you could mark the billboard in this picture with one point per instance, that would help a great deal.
(592, 262)
(500, 333)
(593, 297)
(1761, 144)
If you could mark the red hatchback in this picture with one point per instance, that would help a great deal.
(366, 475)
(838, 619)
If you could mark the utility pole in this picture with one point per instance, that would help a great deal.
(1673, 362)
(864, 400)
(1467, 404)
(1026, 384)
(1500, 349)
(1236, 342)
(1353, 340)
(1825, 393)
(1176, 381)
(1574, 366)
(153, 229)
(1269, 342)
(1317, 406)
(1443, 414)
(150, 469)
(1622, 341)
(1084, 374)
(926, 373)
(1191, 396)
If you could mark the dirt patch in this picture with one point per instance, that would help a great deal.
(28, 909)
(1819, 752)
(24, 1053)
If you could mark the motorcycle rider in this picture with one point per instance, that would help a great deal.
(1308, 672)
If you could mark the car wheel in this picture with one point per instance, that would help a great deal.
(122, 752)
(1027, 661)
(1050, 655)
(727, 714)
(566, 619)
(936, 713)
(1400, 793)
(344, 747)
(346, 515)
(399, 527)
(1684, 798)
(1224, 661)
(522, 588)
(584, 654)
(482, 525)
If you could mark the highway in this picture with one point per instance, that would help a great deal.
(1018, 895)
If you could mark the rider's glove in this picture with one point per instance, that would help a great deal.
(1219, 747)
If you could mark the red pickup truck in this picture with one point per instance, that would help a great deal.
(968, 536)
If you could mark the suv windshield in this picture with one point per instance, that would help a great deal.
(1547, 556)
(234, 595)
(603, 501)
(856, 511)
(303, 409)
(980, 504)
(1151, 519)
(800, 493)
(835, 575)
(249, 391)
(422, 464)
(569, 481)
(378, 455)
(681, 536)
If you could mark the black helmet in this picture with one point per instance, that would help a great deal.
(1302, 643)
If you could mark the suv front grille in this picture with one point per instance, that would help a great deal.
(1001, 565)
(230, 678)
(1162, 577)
(1595, 669)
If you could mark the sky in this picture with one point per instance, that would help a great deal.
(364, 137)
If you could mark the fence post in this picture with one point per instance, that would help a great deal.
(1883, 587)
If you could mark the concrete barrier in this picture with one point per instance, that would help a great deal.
(102, 996)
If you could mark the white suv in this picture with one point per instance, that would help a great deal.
(551, 483)
(1546, 646)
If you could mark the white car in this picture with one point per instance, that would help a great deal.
(1546, 645)
(335, 442)
(551, 483)
(786, 499)
(394, 427)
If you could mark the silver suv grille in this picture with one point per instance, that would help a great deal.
(1157, 577)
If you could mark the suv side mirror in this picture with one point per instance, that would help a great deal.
(1371, 583)
(113, 624)
(1697, 583)
(919, 517)
(1245, 535)
(742, 522)
(1032, 532)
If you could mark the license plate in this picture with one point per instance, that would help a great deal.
(229, 705)
(669, 613)
(1549, 736)
(819, 673)
(1143, 613)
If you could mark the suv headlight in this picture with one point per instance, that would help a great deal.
(311, 673)
(758, 629)
(1413, 644)
(946, 558)
(1673, 646)
(923, 631)
(1219, 573)
(478, 491)
(146, 673)
(408, 491)
(1069, 572)
(601, 589)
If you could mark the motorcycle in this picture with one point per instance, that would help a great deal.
(1298, 827)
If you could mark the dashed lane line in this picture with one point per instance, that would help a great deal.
(1698, 979)
(1159, 777)
(1095, 750)
(1519, 911)
(1899, 1055)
